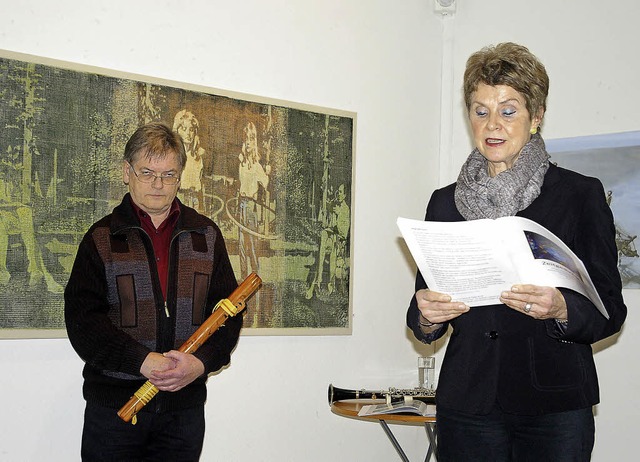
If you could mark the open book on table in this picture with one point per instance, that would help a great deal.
(401, 407)
(474, 261)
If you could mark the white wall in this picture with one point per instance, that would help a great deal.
(381, 59)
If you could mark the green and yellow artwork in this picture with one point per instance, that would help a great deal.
(276, 177)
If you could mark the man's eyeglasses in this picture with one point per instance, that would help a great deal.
(148, 176)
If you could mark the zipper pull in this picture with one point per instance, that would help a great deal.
(166, 309)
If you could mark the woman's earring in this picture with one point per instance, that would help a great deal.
(533, 130)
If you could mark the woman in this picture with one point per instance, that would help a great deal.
(518, 379)
(186, 125)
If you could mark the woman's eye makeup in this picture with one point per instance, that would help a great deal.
(504, 112)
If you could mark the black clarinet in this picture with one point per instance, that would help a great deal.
(391, 395)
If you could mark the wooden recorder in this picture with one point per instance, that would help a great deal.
(224, 309)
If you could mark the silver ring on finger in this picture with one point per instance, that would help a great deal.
(527, 307)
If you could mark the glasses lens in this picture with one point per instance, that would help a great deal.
(145, 177)
(169, 180)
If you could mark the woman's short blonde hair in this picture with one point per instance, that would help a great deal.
(512, 65)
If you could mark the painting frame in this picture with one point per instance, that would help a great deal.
(613, 158)
(304, 236)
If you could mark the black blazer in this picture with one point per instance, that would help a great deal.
(499, 356)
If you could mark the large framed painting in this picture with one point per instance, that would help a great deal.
(277, 177)
(614, 159)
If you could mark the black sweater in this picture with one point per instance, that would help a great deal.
(116, 315)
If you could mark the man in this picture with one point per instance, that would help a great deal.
(145, 277)
(333, 241)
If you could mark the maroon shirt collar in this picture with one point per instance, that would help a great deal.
(169, 222)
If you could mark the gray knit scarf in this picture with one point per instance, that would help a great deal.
(478, 195)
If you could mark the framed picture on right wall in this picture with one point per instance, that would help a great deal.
(615, 160)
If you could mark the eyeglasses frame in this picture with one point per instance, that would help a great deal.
(162, 178)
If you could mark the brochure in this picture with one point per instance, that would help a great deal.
(401, 407)
(474, 261)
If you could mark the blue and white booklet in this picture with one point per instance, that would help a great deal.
(475, 261)
(407, 406)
